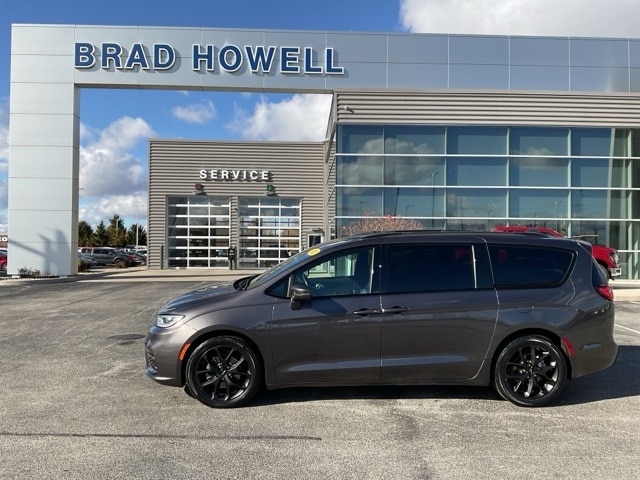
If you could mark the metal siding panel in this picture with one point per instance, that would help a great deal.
(482, 108)
(174, 169)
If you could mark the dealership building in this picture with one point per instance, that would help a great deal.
(461, 132)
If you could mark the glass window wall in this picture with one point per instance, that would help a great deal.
(580, 181)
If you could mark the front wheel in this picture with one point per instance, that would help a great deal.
(224, 372)
(531, 371)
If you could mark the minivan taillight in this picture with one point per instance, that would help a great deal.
(605, 291)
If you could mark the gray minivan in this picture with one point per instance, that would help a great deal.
(521, 312)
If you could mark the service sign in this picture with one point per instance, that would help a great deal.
(235, 175)
(260, 59)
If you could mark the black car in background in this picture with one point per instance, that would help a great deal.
(521, 313)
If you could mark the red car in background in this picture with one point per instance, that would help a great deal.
(3, 262)
(606, 257)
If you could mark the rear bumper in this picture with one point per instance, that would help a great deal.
(595, 347)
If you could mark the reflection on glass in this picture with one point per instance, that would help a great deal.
(470, 202)
(591, 172)
(358, 202)
(600, 203)
(414, 202)
(352, 170)
(595, 142)
(477, 140)
(538, 172)
(413, 171)
(534, 204)
(477, 171)
(414, 140)
(360, 139)
(538, 141)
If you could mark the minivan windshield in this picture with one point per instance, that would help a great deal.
(290, 263)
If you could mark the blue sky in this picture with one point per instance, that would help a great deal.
(116, 124)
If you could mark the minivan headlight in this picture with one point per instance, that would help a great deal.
(164, 321)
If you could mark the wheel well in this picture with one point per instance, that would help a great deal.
(557, 341)
(217, 333)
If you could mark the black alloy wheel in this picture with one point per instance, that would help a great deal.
(224, 372)
(531, 371)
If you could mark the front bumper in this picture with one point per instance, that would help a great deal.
(162, 352)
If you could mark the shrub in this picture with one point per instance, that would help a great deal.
(372, 223)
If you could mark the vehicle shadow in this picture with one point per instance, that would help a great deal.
(618, 381)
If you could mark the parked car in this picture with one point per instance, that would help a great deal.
(3, 262)
(88, 259)
(133, 257)
(521, 313)
(606, 257)
(108, 256)
(141, 258)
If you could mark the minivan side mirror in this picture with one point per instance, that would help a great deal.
(299, 293)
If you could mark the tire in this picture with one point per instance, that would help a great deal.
(530, 371)
(119, 263)
(224, 372)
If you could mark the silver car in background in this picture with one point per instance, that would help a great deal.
(523, 313)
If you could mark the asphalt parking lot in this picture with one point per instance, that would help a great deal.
(74, 403)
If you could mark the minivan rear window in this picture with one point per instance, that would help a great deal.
(518, 266)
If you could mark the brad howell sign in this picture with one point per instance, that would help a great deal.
(230, 58)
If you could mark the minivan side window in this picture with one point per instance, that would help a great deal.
(520, 266)
(428, 268)
(343, 273)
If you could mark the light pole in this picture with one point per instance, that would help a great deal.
(406, 209)
(557, 204)
(138, 223)
(433, 194)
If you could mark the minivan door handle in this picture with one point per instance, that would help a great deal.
(395, 310)
(363, 312)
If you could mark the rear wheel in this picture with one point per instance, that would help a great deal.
(531, 371)
(224, 372)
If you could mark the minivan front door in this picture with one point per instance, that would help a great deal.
(437, 318)
(334, 337)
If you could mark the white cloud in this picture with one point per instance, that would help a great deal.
(195, 113)
(133, 207)
(595, 18)
(299, 118)
(107, 167)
